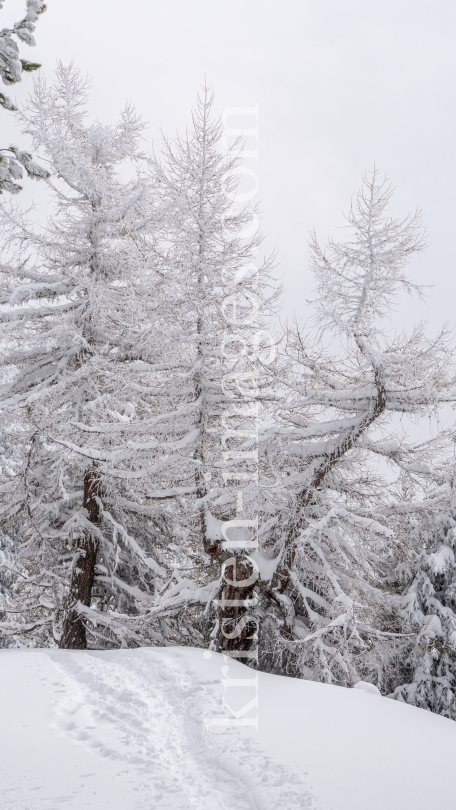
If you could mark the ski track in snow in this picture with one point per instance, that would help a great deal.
(149, 716)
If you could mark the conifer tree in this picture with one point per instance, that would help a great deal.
(74, 407)
(426, 662)
(333, 538)
(13, 161)
(211, 306)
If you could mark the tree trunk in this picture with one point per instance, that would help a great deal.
(74, 631)
(237, 634)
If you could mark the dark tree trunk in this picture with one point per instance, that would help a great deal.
(238, 629)
(74, 631)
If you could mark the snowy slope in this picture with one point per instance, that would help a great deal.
(140, 730)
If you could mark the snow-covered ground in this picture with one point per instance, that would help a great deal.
(143, 730)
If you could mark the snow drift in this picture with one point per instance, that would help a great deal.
(172, 728)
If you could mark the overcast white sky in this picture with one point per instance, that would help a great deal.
(340, 85)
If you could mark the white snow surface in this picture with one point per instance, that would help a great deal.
(134, 730)
(370, 688)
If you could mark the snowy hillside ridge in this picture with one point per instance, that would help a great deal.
(159, 728)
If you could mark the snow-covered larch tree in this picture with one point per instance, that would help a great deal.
(75, 307)
(338, 429)
(211, 306)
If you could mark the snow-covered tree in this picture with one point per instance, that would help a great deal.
(210, 306)
(426, 663)
(13, 161)
(76, 421)
(330, 616)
